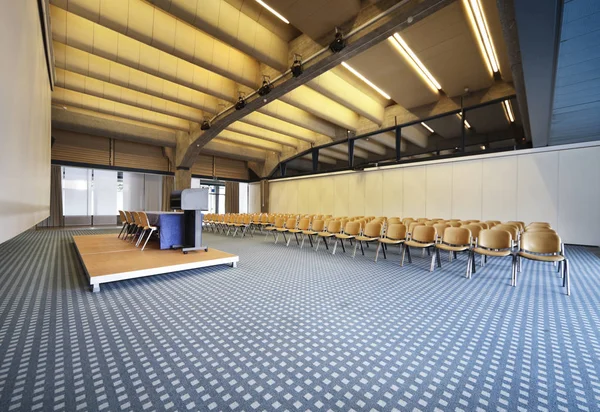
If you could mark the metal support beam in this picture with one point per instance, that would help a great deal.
(398, 143)
(351, 153)
(315, 160)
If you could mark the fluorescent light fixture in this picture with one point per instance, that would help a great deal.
(364, 79)
(403, 48)
(272, 10)
(508, 111)
(477, 18)
(466, 122)
(427, 127)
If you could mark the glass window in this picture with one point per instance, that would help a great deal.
(104, 193)
(133, 191)
(76, 188)
(243, 197)
(221, 199)
(152, 192)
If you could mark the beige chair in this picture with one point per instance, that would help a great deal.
(454, 240)
(124, 223)
(543, 247)
(413, 225)
(440, 229)
(278, 224)
(475, 229)
(290, 223)
(454, 223)
(371, 233)
(492, 243)
(395, 235)
(520, 225)
(303, 225)
(538, 225)
(512, 229)
(146, 227)
(423, 237)
(394, 221)
(351, 230)
(334, 227)
(137, 226)
(317, 226)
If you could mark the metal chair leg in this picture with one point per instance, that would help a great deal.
(343, 247)
(403, 253)
(514, 271)
(567, 277)
(318, 242)
(377, 251)
(302, 244)
(355, 246)
(431, 266)
(147, 239)
(334, 247)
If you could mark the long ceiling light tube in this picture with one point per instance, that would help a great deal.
(273, 11)
(367, 81)
(478, 20)
(427, 127)
(403, 48)
(508, 111)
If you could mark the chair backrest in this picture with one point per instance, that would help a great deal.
(334, 226)
(474, 221)
(458, 236)
(541, 242)
(513, 230)
(540, 229)
(440, 228)
(406, 221)
(122, 216)
(343, 222)
(482, 224)
(495, 239)
(475, 229)
(290, 223)
(422, 219)
(304, 224)
(264, 218)
(318, 225)
(424, 234)
(143, 219)
(247, 219)
(372, 229)
(394, 220)
(279, 221)
(413, 225)
(491, 223)
(539, 224)
(128, 217)
(521, 225)
(396, 231)
(136, 218)
(454, 223)
(352, 228)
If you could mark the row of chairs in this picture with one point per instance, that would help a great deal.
(538, 241)
(135, 225)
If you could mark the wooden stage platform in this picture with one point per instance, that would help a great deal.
(106, 258)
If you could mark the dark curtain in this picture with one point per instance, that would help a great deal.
(168, 185)
(232, 197)
(56, 217)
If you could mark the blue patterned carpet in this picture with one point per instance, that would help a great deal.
(292, 329)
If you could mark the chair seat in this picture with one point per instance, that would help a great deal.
(389, 241)
(271, 228)
(366, 238)
(344, 236)
(326, 234)
(282, 229)
(295, 231)
(414, 243)
(496, 253)
(309, 232)
(150, 227)
(452, 248)
(542, 258)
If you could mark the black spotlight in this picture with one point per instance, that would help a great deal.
(338, 44)
(205, 125)
(297, 68)
(241, 103)
(265, 88)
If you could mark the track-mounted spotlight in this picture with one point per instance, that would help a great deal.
(338, 44)
(241, 103)
(297, 68)
(205, 125)
(265, 88)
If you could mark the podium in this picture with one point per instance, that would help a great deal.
(192, 202)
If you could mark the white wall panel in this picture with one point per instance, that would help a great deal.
(439, 191)
(304, 201)
(276, 194)
(393, 184)
(466, 189)
(537, 188)
(340, 200)
(326, 193)
(291, 197)
(254, 201)
(373, 193)
(579, 196)
(356, 190)
(415, 181)
(499, 189)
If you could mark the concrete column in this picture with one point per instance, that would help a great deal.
(183, 179)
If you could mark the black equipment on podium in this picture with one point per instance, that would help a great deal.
(192, 202)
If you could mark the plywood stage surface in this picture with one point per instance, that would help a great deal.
(107, 258)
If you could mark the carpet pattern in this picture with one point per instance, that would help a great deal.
(293, 329)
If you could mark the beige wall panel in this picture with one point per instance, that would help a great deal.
(304, 196)
(578, 211)
(276, 191)
(414, 194)
(439, 191)
(291, 198)
(341, 200)
(537, 188)
(466, 190)
(392, 187)
(499, 189)
(326, 192)
(254, 199)
(356, 190)
(373, 193)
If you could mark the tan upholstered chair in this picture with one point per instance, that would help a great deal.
(454, 223)
(290, 223)
(543, 247)
(278, 223)
(492, 243)
(520, 225)
(475, 229)
(145, 227)
(423, 237)
(124, 223)
(538, 225)
(439, 229)
(395, 235)
(512, 229)
(333, 227)
(394, 221)
(454, 240)
(303, 225)
(136, 226)
(413, 225)
(351, 230)
(371, 233)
